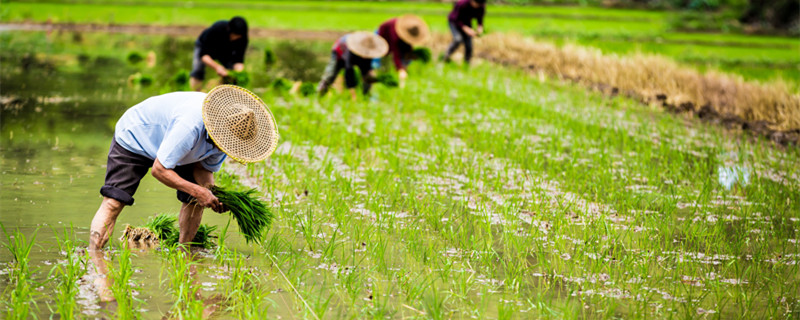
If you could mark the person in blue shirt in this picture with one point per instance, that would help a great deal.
(183, 137)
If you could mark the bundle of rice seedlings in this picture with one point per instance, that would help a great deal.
(388, 79)
(180, 81)
(422, 54)
(135, 57)
(281, 84)
(251, 214)
(239, 78)
(156, 229)
(163, 225)
(269, 57)
(307, 89)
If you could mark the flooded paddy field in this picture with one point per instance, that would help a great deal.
(472, 193)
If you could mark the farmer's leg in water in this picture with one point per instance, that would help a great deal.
(467, 49)
(191, 214)
(189, 221)
(458, 38)
(124, 170)
(331, 71)
(100, 231)
(103, 223)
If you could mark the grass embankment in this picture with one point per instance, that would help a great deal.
(612, 30)
(654, 79)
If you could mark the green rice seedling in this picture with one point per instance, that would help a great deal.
(244, 292)
(251, 214)
(182, 285)
(67, 274)
(121, 275)
(22, 292)
(423, 54)
(307, 89)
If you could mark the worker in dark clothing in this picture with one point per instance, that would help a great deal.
(352, 50)
(220, 47)
(460, 20)
(403, 34)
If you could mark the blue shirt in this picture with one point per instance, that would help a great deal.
(169, 127)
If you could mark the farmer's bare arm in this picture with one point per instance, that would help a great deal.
(402, 75)
(469, 31)
(171, 179)
(221, 71)
(238, 67)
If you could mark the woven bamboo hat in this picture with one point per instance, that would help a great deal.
(412, 29)
(240, 123)
(367, 44)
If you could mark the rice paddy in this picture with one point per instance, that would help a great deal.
(484, 192)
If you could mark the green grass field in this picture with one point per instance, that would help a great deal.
(612, 30)
(472, 193)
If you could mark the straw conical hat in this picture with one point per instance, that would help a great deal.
(412, 29)
(367, 44)
(240, 123)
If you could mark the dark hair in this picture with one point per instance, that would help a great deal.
(481, 1)
(238, 26)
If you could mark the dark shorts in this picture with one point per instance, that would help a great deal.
(126, 169)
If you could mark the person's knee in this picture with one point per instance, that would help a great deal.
(113, 206)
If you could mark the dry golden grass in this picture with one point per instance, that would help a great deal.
(646, 77)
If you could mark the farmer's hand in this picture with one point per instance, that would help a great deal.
(402, 75)
(480, 30)
(469, 31)
(207, 199)
(221, 71)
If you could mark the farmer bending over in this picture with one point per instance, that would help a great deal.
(184, 137)
(460, 20)
(402, 34)
(352, 50)
(224, 41)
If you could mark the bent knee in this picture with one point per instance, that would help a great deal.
(113, 205)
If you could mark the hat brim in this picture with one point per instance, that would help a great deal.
(406, 23)
(218, 106)
(356, 43)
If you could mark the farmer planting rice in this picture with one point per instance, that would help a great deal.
(220, 47)
(184, 137)
(353, 50)
(403, 34)
(460, 20)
